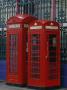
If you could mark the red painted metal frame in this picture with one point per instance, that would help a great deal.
(43, 81)
(21, 76)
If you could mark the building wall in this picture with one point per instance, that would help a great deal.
(7, 9)
(39, 8)
(61, 10)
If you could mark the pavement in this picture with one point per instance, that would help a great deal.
(3, 86)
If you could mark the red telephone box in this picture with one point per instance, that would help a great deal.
(17, 28)
(44, 54)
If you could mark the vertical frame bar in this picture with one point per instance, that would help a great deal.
(53, 9)
(17, 6)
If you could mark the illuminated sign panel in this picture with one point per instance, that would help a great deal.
(36, 27)
(51, 27)
(14, 26)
